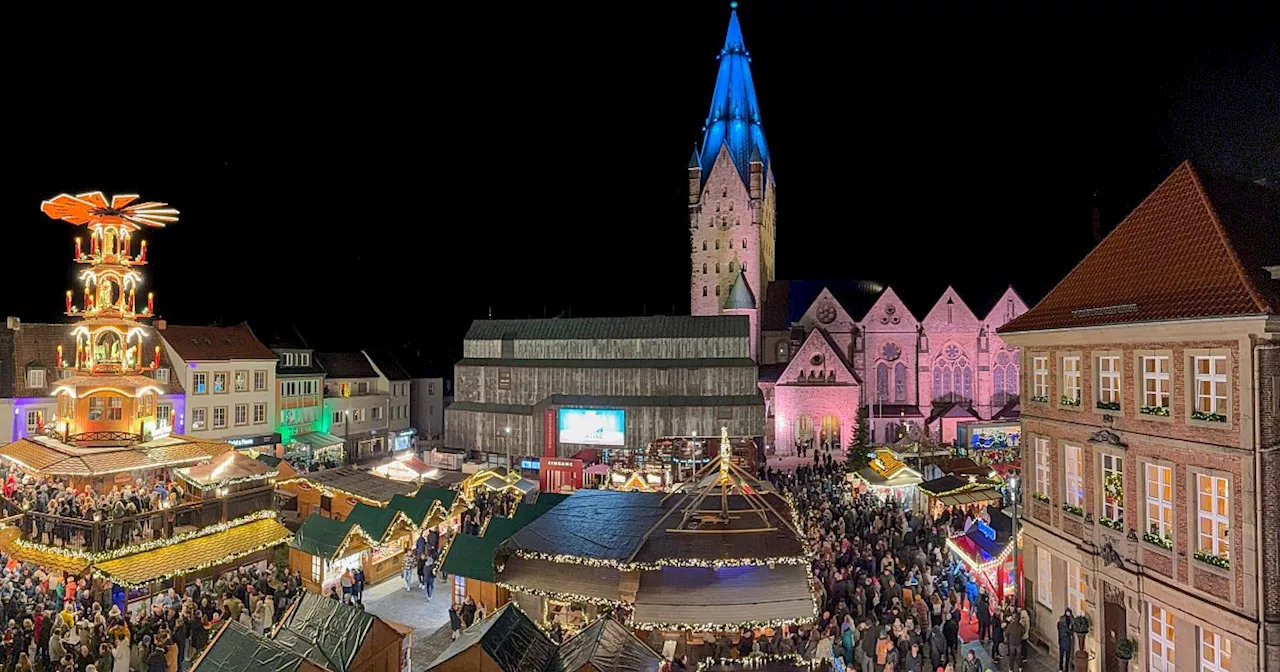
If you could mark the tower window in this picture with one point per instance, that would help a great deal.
(704, 268)
(731, 267)
(704, 290)
(744, 268)
(717, 290)
(717, 271)
(717, 244)
(704, 246)
(724, 192)
(744, 243)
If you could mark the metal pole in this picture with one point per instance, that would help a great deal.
(1017, 569)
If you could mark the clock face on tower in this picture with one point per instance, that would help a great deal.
(826, 312)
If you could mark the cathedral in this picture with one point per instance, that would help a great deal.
(827, 349)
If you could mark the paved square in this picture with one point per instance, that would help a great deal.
(389, 600)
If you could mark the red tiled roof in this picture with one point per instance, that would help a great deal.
(215, 343)
(1178, 255)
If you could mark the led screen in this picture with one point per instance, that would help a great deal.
(594, 427)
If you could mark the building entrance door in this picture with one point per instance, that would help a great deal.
(1115, 622)
(804, 429)
(830, 431)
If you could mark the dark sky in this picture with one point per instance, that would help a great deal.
(388, 185)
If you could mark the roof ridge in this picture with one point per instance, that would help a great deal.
(1257, 297)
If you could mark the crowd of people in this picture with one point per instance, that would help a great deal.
(55, 498)
(64, 626)
(891, 597)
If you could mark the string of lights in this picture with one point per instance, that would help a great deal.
(232, 481)
(758, 660)
(708, 563)
(723, 627)
(557, 595)
(329, 491)
(103, 556)
(230, 557)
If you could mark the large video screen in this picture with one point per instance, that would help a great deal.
(596, 427)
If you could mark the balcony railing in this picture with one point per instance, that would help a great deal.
(95, 536)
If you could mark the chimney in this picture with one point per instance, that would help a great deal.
(160, 324)
(1097, 221)
(13, 323)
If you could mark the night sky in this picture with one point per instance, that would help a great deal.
(387, 188)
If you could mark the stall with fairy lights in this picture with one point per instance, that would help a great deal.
(954, 490)
(886, 476)
(499, 481)
(721, 552)
(987, 551)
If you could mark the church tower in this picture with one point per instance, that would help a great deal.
(731, 190)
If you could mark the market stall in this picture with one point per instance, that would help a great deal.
(887, 476)
(986, 549)
(952, 490)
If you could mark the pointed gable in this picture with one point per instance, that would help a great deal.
(951, 314)
(825, 312)
(1177, 256)
(1008, 307)
(889, 313)
(733, 123)
(819, 359)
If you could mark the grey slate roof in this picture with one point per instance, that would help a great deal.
(346, 365)
(740, 295)
(608, 647)
(508, 638)
(581, 328)
(387, 364)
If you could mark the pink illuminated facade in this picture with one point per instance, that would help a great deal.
(825, 349)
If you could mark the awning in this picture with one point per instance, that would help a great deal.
(186, 557)
(319, 440)
(596, 470)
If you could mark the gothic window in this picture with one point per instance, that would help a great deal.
(717, 286)
(952, 375)
(717, 244)
(704, 288)
(704, 246)
(744, 243)
(730, 206)
(1004, 377)
(731, 264)
(724, 192)
(704, 268)
(997, 379)
(717, 267)
(900, 382)
(937, 371)
(882, 381)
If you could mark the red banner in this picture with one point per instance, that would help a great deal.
(549, 433)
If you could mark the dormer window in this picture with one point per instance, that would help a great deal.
(161, 375)
(289, 359)
(36, 378)
(304, 359)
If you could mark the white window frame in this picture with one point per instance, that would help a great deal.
(288, 359)
(1071, 373)
(259, 413)
(1044, 578)
(36, 378)
(1076, 587)
(199, 382)
(33, 421)
(1160, 632)
(164, 415)
(358, 414)
(1158, 477)
(304, 359)
(225, 388)
(199, 419)
(337, 418)
(1073, 473)
(241, 414)
(1156, 390)
(1215, 652)
(1109, 379)
(1043, 467)
(161, 375)
(1216, 375)
(377, 413)
(236, 381)
(1215, 523)
(1040, 376)
(1111, 464)
(216, 424)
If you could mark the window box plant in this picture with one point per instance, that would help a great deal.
(1208, 417)
(1117, 525)
(1211, 559)
(1041, 497)
(1126, 648)
(1069, 401)
(1157, 539)
(1044, 399)
(1078, 510)
(1160, 411)
(1109, 405)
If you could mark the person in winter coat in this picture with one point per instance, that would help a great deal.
(268, 613)
(951, 631)
(937, 647)
(156, 661)
(455, 621)
(1066, 643)
(1025, 620)
(1013, 642)
(913, 661)
(120, 655)
(970, 663)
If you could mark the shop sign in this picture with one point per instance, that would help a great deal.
(407, 432)
(531, 465)
(260, 440)
(563, 464)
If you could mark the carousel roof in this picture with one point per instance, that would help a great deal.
(48, 456)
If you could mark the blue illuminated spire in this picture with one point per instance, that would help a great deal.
(734, 119)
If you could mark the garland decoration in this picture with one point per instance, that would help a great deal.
(1211, 559)
(755, 660)
(1069, 401)
(191, 570)
(557, 595)
(1208, 417)
(1078, 510)
(657, 565)
(1158, 539)
(725, 627)
(329, 491)
(1160, 411)
(103, 556)
(232, 481)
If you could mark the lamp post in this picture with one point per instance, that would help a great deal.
(1017, 568)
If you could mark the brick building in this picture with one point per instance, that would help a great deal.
(825, 348)
(1151, 434)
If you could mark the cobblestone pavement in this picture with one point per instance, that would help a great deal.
(428, 619)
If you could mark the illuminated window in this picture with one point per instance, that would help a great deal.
(1109, 379)
(1113, 487)
(199, 382)
(1160, 501)
(33, 421)
(1042, 466)
(164, 415)
(1214, 504)
(1160, 639)
(97, 408)
(161, 375)
(1071, 378)
(1074, 477)
(115, 408)
(1155, 381)
(259, 381)
(35, 378)
(242, 381)
(783, 351)
(1044, 578)
(242, 414)
(1040, 377)
(1211, 385)
(459, 589)
(219, 382)
(197, 418)
(1076, 587)
(358, 414)
(219, 417)
(504, 378)
(315, 569)
(1215, 652)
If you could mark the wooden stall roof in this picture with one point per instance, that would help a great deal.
(723, 597)
(230, 466)
(357, 483)
(8, 544)
(188, 556)
(594, 582)
(48, 456)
